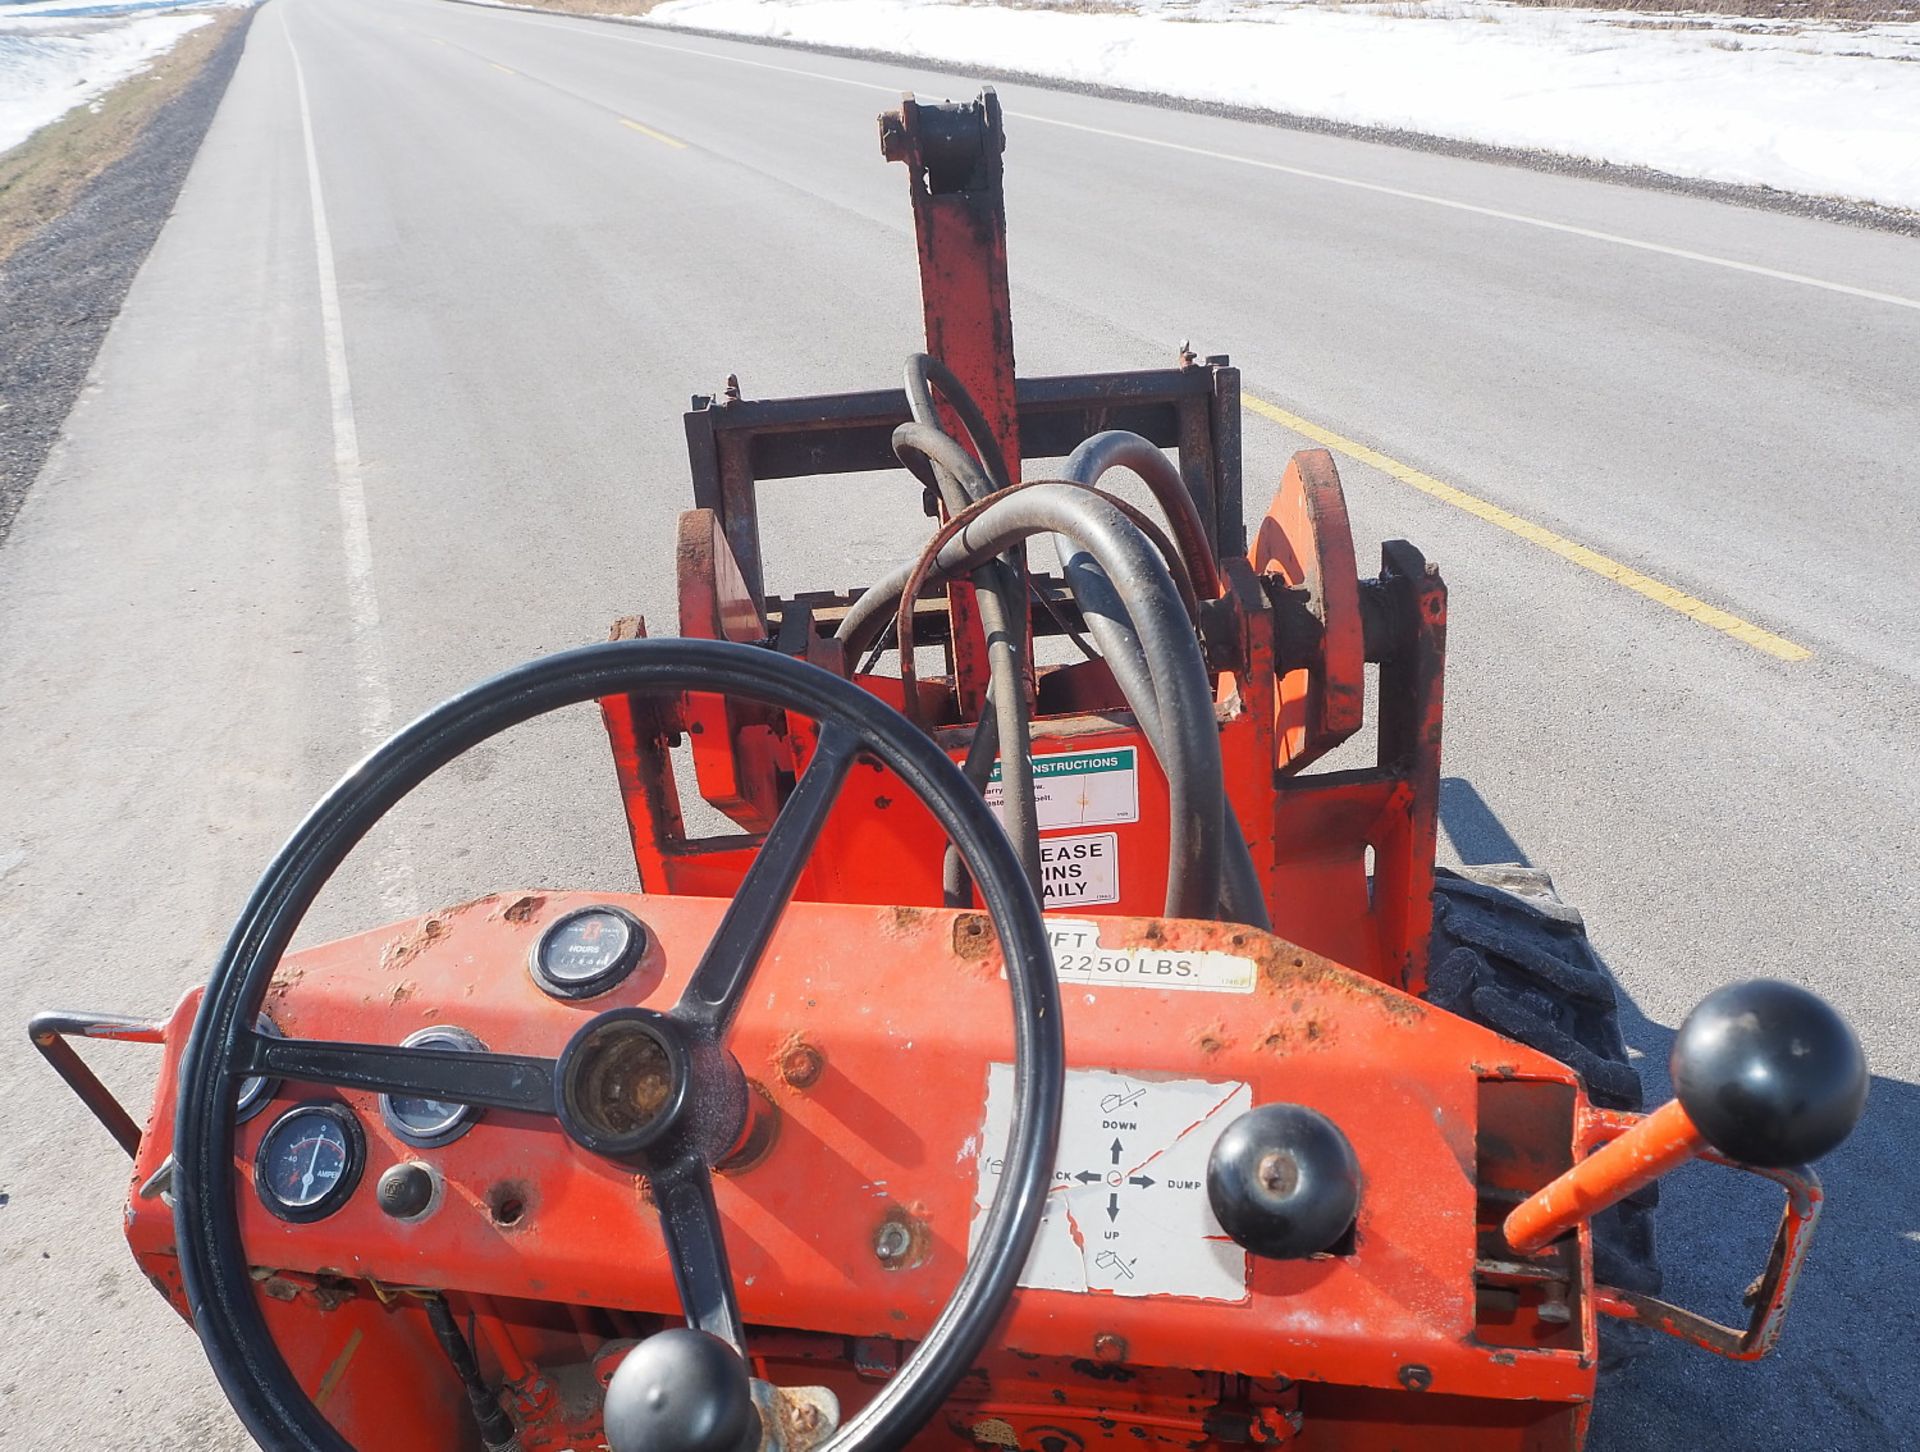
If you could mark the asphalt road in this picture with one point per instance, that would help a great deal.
(297, 503)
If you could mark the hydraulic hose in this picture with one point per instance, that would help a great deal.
(1119, 449)
(1186, 740)
(1243, 898)
(924, 372)
(1000, 595)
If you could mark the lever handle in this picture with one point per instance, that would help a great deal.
(1764, 1073)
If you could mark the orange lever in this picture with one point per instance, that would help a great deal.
(1663, 1141)
(1764, 1074)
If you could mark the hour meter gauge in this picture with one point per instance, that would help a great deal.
(587, 951)
(256, 1089)
(429, 1123)
(309, 1161)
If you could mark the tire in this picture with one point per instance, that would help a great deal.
(1508, 954)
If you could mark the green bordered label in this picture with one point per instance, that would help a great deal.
(1081, 788)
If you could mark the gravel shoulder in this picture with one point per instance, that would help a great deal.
(80, 205)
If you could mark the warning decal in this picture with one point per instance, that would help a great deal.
(1080, 957)
(1080, 788)
(1128, 1211)
(1079, 869)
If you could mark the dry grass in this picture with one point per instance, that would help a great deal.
(41, 177)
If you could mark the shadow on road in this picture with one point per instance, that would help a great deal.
(1842, 1377)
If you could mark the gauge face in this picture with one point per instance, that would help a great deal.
(309, 1161)
(587, 951)
(256, 1089)
(431, 1122)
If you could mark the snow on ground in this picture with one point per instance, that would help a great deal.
(1818, 108)
(58, 54)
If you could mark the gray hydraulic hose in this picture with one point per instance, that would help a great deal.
(1000, 597)
(924, 368)
(1187, 743)
(1119, 449)
(1243, 898)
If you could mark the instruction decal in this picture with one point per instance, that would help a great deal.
(1080, 788)
(1076, 870)
(1079, 957)
(1128, 1212)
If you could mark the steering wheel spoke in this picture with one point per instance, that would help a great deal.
(516, 1082)
(713, 994)
(690, 1220)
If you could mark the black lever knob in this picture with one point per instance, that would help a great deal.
(1283, 1181)
(1769, 1073)
(681, 1391)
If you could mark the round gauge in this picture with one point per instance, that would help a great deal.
(431, 1122)
(309, 1160)
(587, 951)
(256, 1089)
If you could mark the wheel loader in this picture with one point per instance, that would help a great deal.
(1058, 1036)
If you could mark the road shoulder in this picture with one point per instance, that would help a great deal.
(80, 205)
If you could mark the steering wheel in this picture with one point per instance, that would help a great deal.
(699, 1112)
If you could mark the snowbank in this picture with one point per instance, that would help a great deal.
(1802, 106)
(52, 61)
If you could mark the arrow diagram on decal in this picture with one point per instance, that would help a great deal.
(1115, 1148)
(1113, 1207)
(1087, 1177)
(1143, 1181)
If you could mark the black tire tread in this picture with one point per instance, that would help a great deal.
(1507, 953)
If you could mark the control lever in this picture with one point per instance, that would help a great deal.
(1765, 1074)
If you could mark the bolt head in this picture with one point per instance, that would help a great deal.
(802, 1065)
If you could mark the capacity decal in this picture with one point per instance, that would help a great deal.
(1080, 957)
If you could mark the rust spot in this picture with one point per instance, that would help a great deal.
(798, 1062)
(1503, 1358)
(1211, 1038)
(901, 922)
(973, 937)
(522, 909)
(410, 945)
(285, 980)
(401, 991)
(1286, 966)
(507, 1203)
(902, 1239)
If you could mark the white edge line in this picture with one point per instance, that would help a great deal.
(933, 64)
(393, 864)
(1521, 218)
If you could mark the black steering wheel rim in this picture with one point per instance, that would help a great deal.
(219, 1291)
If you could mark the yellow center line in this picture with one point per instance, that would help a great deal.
(1657, 591)
(660, 136)
(498, 67)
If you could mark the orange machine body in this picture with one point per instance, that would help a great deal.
(871, 1032)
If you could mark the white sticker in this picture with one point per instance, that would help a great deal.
(1080, 788)
(1078, 957)
(1077, 870)
(1128, 1211)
